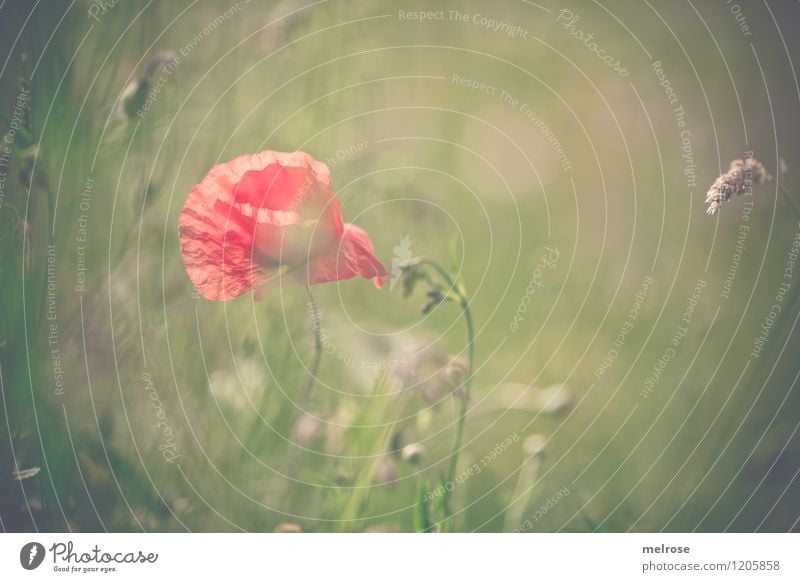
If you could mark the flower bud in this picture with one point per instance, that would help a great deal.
(534, 445)
(412, 453)
(424, 420)
(456, 372)
(435, 297)
(555, 399)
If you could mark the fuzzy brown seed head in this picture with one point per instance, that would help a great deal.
(739, 179)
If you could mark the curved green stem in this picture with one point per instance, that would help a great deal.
(463, 301)
(439, 269)
(462, 416)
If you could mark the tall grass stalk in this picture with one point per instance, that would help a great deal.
(383, 411)
(790, 200)
(305, 395)
(456, 292)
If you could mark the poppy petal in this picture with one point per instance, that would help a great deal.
(216, 237)
(275, 187)
(350, 256)
(218, 251)
(261, 213)
(295, 182)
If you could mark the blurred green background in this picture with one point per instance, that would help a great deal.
(448, 128)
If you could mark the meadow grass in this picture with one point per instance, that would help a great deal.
(712, 448)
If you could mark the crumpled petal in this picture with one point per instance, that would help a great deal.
(260, 213)
(218, 251)
(353, 255)
(218, 222)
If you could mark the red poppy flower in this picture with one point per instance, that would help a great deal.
(265, 216)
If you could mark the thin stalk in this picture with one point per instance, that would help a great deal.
(384, 407)
(305, 396)
(462, 416)
(463, 301)
(515, 511)
(304, 400)
(790, 200)
(439, 269)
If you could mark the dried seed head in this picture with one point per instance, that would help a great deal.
(737, 180)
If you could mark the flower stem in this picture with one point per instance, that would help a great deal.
(462, 416)
(463, 301)
(316, 324)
